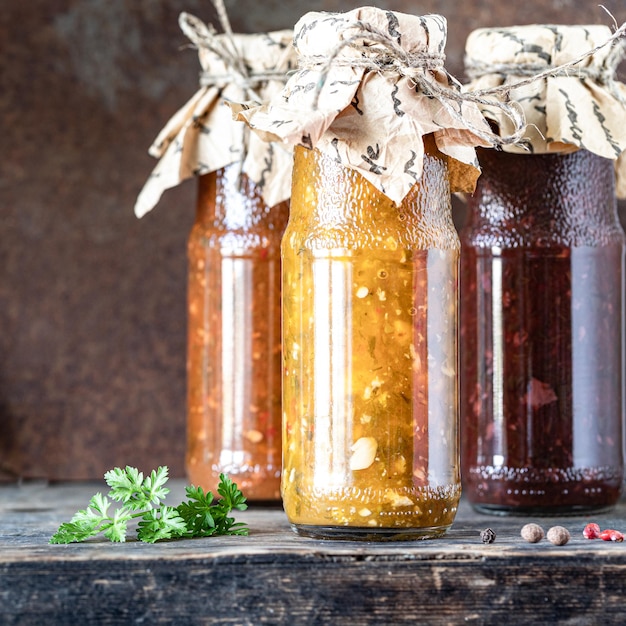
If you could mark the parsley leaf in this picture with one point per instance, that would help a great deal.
(128, 486)
(196, 512)
(163, 524)
(115, 528)
(206, 516)
(142, 500)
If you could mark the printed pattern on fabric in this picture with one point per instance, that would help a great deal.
(203, 137)
(354, 101)
(582, 107)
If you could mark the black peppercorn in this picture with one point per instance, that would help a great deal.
(487, 535)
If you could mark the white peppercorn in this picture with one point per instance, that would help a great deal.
(558, 535)
(533, 533)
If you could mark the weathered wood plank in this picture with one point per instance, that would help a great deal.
(276, 577)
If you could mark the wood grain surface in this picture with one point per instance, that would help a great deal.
(275, 577)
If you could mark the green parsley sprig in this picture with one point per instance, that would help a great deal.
(141, 499)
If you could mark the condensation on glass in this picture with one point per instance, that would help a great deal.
(370, 355)
(542, 335)
(234, 348)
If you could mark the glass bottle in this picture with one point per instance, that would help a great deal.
(542, 335)
(233, 356)
(370, 448)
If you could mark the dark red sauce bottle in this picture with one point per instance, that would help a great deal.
(542, 335)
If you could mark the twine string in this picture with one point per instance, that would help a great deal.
(604, 74)
(204, 36)
(225, 48)
(475, 68)
(382, 54)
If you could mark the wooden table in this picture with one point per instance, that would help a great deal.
(276, 577)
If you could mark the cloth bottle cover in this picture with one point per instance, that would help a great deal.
(371, 84)
(582, 106)
(202, 136)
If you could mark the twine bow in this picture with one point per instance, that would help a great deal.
(389, 57)
(224, 47)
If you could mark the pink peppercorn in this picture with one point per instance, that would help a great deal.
(611, 535)
(591, 531)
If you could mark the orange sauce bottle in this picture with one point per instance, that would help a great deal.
(234, 348)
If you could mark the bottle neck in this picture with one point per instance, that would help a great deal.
(337, 207)
(228, 200)
(542, 199)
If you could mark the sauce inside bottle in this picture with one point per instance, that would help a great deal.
(542, 287)
(370, 355)
(234, 348)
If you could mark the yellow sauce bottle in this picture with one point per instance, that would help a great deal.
(370, 401)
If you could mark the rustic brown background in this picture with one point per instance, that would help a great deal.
(92, 300)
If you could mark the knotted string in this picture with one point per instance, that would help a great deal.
(388, 57)
(603, 75)
(224, 47)
(237, 72)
